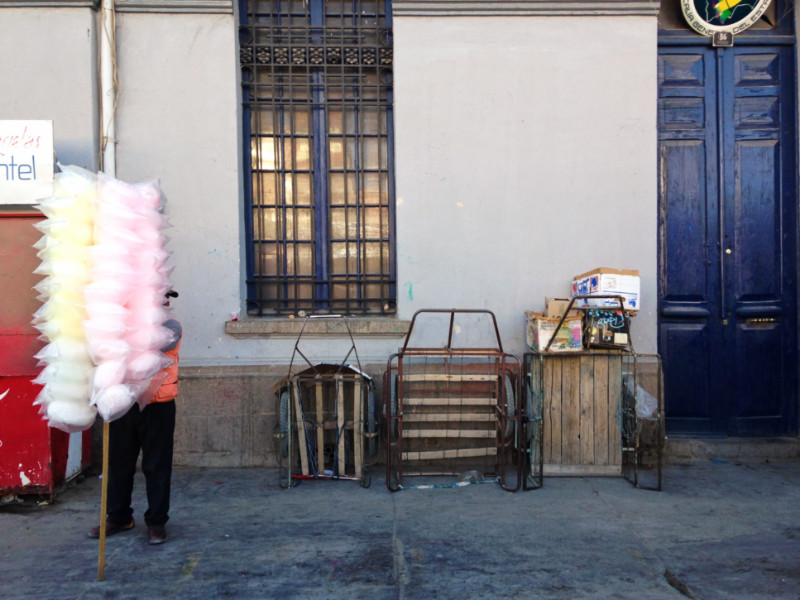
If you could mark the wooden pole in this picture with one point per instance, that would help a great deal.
(101, 560)
(320, 432)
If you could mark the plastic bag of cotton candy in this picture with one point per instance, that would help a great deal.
(103, 259)
(125, 300)
(68, 370)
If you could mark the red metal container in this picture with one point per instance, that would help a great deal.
(34, 458)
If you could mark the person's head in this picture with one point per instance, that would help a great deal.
(170, 294)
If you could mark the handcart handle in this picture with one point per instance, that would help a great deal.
(616, 297)
(297, 350)
(452, 312)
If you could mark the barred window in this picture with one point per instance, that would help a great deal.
(319, 164)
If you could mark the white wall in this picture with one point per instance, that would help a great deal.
(49, 71)
(177, 122)
(526, 154)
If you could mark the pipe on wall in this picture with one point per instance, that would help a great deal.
(108, 89)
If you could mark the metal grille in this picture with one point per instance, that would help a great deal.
(317, 97)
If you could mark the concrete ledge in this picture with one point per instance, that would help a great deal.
(176, 6)
(685, 449)
(320, 327)
(48, 3)
(484, 8)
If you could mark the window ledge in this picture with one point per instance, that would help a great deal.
(290, 328)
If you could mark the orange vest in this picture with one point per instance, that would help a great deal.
(169, 387)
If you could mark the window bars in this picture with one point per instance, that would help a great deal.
(452, 409)
(317, 113)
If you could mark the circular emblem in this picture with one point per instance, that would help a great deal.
(731, 16)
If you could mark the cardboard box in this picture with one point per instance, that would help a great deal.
(605, 328)
(539, 330)
(604, 281)
(554, 308)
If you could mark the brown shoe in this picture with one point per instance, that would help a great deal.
(156, 534)
(111, 528)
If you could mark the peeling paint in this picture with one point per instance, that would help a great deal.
(24, 479)
(5, 393)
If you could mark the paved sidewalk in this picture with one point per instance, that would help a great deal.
(719, 529)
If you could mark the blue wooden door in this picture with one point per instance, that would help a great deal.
(727, 239)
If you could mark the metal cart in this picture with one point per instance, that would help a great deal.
(452, 408)
(327, 419)
(631, 406)
(643, 432)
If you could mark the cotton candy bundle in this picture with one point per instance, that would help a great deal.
(126, 296)
(64, 252)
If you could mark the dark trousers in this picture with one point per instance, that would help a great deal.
(151, 431)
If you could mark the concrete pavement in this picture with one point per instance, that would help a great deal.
(719, 529)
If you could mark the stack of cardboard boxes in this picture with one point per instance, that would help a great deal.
(591, 322)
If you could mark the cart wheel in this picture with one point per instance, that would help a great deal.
(529, 424)
(393, 429)
(372, 443)
(511, 405)
(366, 478)
(283, 425)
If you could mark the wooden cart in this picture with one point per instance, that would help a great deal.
(451, 409)
(327, 420)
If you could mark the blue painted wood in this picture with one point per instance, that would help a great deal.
(727, 239)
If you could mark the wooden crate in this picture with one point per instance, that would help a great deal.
(581, 400)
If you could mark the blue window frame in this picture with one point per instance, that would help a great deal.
(319, 163)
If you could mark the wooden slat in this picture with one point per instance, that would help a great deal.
(358, 427)
(440, 454)
(552, 410)
(449, 433)
(570, 410)
(340, 422)
(301, 429)
(320, 423)
(414, 401)
(587, 415)
(614, 410)
(447, 417)
(581, 470)
(447, 377)
(601, 423)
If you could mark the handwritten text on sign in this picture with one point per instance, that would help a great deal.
(26, 161)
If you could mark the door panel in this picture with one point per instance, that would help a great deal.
(727, 227)
(688, 216)
(756, 248)
(690, 376)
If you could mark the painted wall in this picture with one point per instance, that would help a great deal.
(177, 122)
(526, 154)
(52, 75)
(523, 158)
